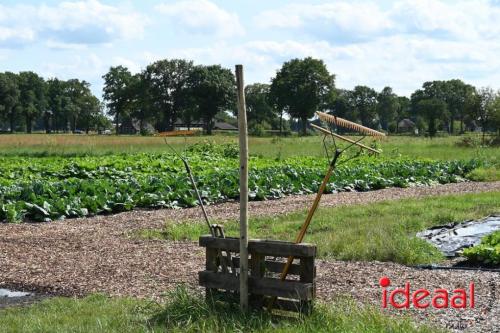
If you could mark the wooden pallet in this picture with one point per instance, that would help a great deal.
(266, 261)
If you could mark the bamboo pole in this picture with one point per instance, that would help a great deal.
(243, 141)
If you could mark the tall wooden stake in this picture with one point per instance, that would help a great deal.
(243, 139)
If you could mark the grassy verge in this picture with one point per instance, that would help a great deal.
(185, 312)
(383, 231)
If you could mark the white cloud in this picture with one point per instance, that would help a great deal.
(470, 19)
(14, 37)
(202, 17)
(77, 22)
(86, 66)
(132, 66)
(362, 18)
(402, 44)
(398, 61)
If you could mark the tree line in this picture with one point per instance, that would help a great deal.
(176, 90)
(170, 92)
(29, 101)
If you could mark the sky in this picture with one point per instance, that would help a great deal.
(375, 43)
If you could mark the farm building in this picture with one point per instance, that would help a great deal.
(133, 126)
(406, 125)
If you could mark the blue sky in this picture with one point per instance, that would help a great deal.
(375, 43)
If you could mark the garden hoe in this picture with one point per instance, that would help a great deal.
(333, 122)
(216, 230)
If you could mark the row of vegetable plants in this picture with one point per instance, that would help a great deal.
(50, 188)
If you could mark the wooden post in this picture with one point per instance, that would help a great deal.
(243, 140)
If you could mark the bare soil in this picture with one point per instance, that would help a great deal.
(82, 256)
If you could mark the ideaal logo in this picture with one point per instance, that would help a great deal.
(423, 298)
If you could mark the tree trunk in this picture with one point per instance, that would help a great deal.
(166, 120)
(484, 133)
(12, 121)
(28, 124)
(304, 126)
(47, 124)
(117, 124)
(281, 123)
(208, 124)
(432, 127)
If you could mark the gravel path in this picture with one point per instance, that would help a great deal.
(81, 256)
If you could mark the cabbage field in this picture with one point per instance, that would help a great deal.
(49, 188)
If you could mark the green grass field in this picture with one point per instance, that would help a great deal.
(185, 312)
(382, 231)
(60, 144)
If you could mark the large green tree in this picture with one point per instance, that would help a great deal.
(495, 117)
(166, 80)
(456, 94)
(32, 97)
(341, 105)
(9, 98)
(486, 108)
(387, 107)
(365, 102)
(78, 100)
(90, 111)
(56, 100)
(258, 103)
(301, 87)
(432, 110)
(140, 101)
(117, 93)
(213, 89)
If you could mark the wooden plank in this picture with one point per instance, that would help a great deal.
(262, 286)
(274, 266)
(213, 280)
(257, 271)
(287, 289)
(211, 260)
(282, 249)
(307, 274)
(307, 271)
(261, 246)
(229, 243)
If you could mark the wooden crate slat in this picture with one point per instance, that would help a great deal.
(260, 286)
(266, 247)
(275, 266)
(287, 289)
(213, 280)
